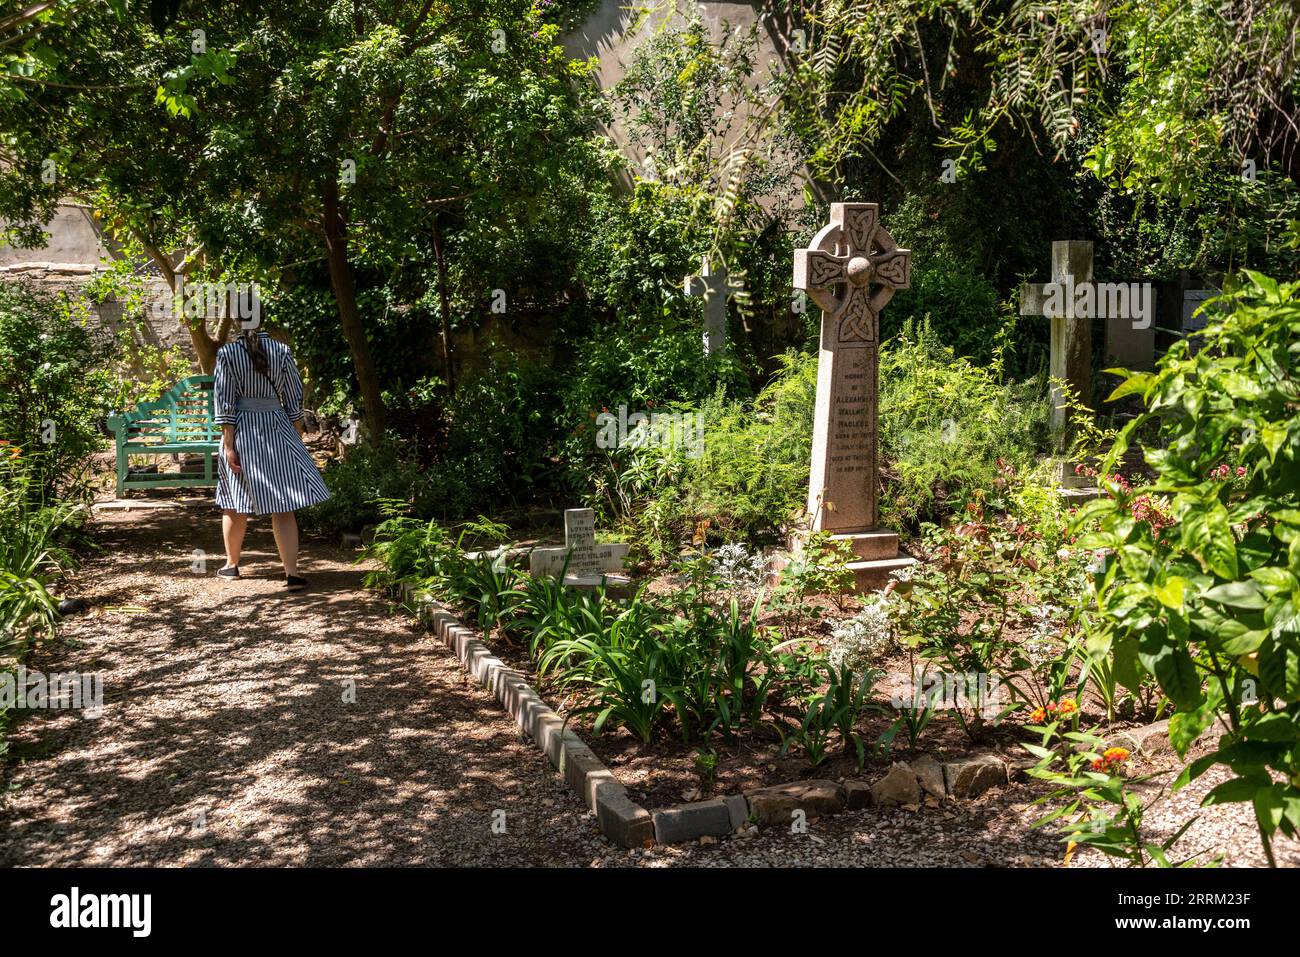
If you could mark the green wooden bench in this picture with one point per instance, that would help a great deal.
(180, 422)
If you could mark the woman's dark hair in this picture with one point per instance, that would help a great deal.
(253, 343)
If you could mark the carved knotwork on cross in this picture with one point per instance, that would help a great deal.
(855, 252)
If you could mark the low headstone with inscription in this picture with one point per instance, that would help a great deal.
(851, 270)
(587, 562)
(1194, 316)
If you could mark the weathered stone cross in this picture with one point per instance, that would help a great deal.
(851, 269)
(713, 285)
(1072, 301)
(1070, 358)
(587, 560)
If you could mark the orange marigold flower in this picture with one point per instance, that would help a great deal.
(1067, 706)
(1038, 715)
(1110, 759)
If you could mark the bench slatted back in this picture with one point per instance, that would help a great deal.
(183, 414)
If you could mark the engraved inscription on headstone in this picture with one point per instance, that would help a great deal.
(851, 269)
(580, 537)
(585, 558)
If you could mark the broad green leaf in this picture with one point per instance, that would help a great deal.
(1173, 669)
(1234, 790)
(1171, 592)
(1186, 726)
(1269, 808)
(1244, 643)
(1237, 595)
(1135, 383)
(1273, 727)
(1274, 437)
(1279, 669)
(1125, 665)
(1273, 580)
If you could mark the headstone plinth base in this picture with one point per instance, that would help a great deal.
(876, 553)
(874, 575)
(1075, 489)
(870, 546)
(1077, 496)
(616, 586)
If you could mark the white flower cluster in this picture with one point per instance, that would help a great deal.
(863, 639)
(1043, 645)
(903, 574)
(738, 568)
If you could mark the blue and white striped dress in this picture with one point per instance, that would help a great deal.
(278, 472)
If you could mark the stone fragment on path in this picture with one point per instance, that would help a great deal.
(929, 774)
(777, 804)
(971, 777)
(897, 788)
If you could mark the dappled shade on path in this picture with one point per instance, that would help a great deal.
(224, 704)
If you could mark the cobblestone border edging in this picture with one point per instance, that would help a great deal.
(622, 821)
(625, 823)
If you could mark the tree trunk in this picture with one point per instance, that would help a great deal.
(345, 295)
(445, 308)
(205, 347)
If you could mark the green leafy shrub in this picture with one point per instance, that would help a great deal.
(34, 546)
(950, 292)
(751, 480)
(750, 477)
(359, 481)
(1098, 804)
(947, 426)
(1201, 589)
(837, 710)
(500, 430)
(696, 660)
(55, 386)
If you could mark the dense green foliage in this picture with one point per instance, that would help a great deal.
(54, 387)
(748, 476)
(1202, 587)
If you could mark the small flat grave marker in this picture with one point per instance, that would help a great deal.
(588, 563)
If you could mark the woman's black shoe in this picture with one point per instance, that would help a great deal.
(231, 572)
(294, 583)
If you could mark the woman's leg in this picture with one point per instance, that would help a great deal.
(233, 526)
(285, 528)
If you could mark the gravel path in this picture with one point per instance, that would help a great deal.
(226, 739)
(224, 705)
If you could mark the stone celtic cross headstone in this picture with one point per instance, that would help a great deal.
(851, 270)
(586, 559)
(713, 285)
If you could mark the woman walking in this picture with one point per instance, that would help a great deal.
(264, 468)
